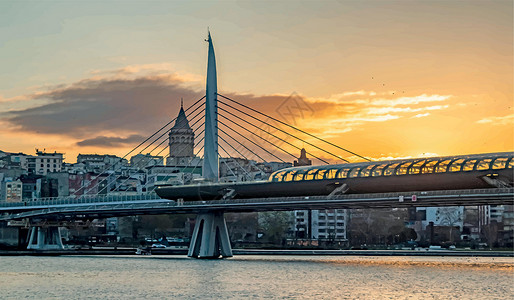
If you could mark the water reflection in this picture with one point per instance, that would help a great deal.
(114, 277)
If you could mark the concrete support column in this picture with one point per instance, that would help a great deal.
(45, 238)
(210, 237)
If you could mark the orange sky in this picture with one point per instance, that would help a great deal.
(381, 78)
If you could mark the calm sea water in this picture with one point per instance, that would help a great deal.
(269, 277)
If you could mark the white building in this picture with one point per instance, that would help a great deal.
(45, 163)
(100, 162)
(140, 161)
(167, 175)
(12, 190)
(327, 224)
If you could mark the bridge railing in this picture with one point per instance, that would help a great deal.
(92, 199)
(82, 199)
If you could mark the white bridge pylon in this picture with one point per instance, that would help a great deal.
(210, 237)
(211, 162)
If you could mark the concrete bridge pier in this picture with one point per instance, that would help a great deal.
(210, 237)
(45, 238)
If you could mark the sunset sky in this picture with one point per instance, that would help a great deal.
(385, 79)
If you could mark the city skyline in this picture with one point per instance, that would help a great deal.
(384, 79)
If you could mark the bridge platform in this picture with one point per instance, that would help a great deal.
(61, 211)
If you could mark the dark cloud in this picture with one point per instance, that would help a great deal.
(88, 107)
(105, 141)
(94, 111)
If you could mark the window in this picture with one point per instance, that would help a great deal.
(331, 174)
(367, 171)
(484, 164)
(277, 177)
(442, 166)
(354, 172)
(456, 165)
(378, 171)
(511, 163)
(288, 176)
(429, 167)
(469, 165)
(299, 175)
(500, 163)
(343, 173)
(389, 170)
(310, 174)
(320, 174)
(415, 168)
(322, 224)
(402, 169)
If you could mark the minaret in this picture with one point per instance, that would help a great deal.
(210, 162)
(181, 141)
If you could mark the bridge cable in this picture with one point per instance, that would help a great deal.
(242, 145)
(295, 128)
(256, 136)
(337, 156)
(197, 163)
(228, 167)
(235, 160)
(239, 153)
(155, 133)
(256, 166)
(221, 108)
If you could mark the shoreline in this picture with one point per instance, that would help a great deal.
(161, 251)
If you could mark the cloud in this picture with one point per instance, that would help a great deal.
(105, 106)
(421, 115)
(346, 111)
(505, 120)
(117, 108)
(409, 100)
(108, 142)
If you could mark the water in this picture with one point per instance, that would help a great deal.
(269, 277)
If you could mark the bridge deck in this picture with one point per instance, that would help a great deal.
(495, 196)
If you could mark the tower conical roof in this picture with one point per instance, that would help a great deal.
(181, 122)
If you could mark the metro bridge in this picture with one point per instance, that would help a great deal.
(45, 217)
(338, 186)
(59, 209)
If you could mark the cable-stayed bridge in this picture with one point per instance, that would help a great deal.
(224, 127)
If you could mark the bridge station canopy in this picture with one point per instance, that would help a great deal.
(416, 166)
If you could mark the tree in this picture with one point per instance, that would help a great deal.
(450, 216)
(377, 226)
(275, 225)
